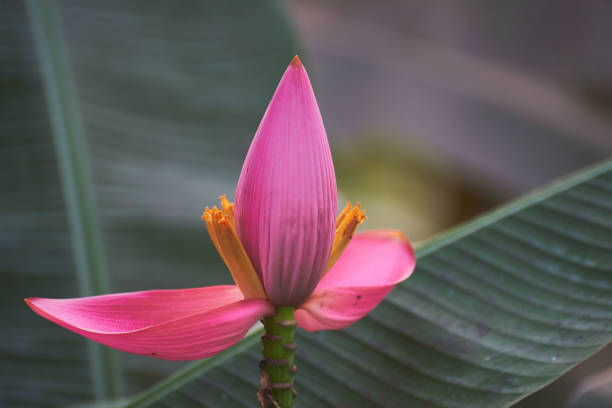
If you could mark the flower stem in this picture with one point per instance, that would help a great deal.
(277, 368)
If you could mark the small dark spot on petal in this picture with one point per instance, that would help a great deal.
(358, 297)
(153, 354)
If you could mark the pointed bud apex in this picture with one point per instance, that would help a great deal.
(286, 196)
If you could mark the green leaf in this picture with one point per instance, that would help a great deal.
(117, 120)
(495, 310)
(73, 163)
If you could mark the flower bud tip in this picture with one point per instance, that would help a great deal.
(295, 62)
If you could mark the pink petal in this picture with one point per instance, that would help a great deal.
(183, 324)
(371, 265)
(286, 196)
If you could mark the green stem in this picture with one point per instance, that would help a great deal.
(277, 365)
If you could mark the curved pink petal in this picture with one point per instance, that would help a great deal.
(286, 199)
(371, 265)
(182, 324)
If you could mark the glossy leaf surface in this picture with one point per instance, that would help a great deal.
(494, 310)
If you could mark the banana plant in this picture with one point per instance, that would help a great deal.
(111, 145)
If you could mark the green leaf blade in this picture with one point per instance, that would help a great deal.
(495, 310)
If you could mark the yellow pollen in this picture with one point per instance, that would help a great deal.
(222, 231)
(346, 225)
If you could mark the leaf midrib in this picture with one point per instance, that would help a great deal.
(453, 234)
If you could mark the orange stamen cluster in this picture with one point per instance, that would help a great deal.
(222, 230)
(220, 225)
(346, 225)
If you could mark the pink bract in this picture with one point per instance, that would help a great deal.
(372, 264)
(190, 324)
(286, 197)
(182, 324)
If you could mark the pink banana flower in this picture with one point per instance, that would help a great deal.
(281, 242)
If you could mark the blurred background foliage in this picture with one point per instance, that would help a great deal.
(435, 112)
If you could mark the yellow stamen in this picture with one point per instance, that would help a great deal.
(346, 225)
(220, 225)
(228, 209)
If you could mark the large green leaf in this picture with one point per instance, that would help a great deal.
(495, 310)
(119, 122)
